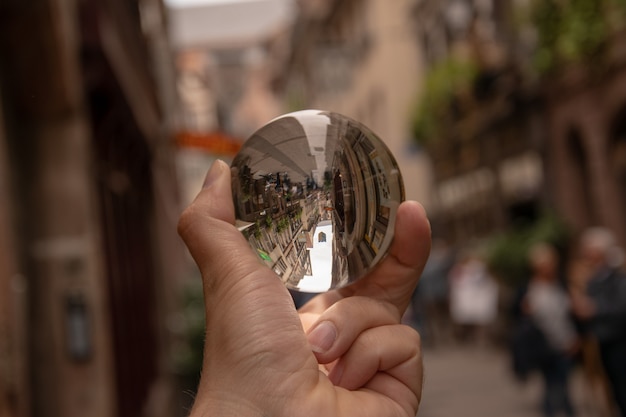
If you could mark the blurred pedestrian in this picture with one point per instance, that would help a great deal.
(429, 303)
(473, 298)
(547, 304)
(601, 306)
(598, 388)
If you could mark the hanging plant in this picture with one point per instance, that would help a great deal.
(572, 31)
(444, 83)
(507, 253)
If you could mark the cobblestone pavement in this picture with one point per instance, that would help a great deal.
(477, 382)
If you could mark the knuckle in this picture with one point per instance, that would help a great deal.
(187, 219)
(360, 307)
(413, 338)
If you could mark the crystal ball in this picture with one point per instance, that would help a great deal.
(316, 195)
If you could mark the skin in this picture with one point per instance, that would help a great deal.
(345, 353)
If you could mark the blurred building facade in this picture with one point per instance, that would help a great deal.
(89, 211)
(483, 131)
(510, 141)
(360, 59)
(224, 54)
(586, 139)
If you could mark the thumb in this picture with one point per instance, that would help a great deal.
(251, 321)
(207, 224)
(231, 272)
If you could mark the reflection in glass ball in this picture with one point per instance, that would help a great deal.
(316, 195)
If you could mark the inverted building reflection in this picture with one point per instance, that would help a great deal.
(314, 200)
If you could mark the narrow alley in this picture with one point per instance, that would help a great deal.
(477, 382)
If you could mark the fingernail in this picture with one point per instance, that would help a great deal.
(322, 337)
(213, 174)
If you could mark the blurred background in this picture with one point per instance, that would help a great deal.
(508, 120)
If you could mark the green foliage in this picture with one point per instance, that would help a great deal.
(268, 221)
(444, 82)
(507, 253)
(188, 352)
(282, 225)
(572, 31)
(568, 32)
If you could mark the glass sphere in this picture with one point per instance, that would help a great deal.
(316, 195)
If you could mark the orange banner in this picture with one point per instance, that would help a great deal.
(214, 142)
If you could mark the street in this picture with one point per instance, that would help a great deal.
(476, 382)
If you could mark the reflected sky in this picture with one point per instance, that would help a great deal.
(321, 261)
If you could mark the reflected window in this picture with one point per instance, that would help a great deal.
(321, 237)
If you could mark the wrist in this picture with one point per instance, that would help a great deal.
(225, 406)
(221, 410)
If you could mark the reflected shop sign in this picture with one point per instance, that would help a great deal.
(214, 142)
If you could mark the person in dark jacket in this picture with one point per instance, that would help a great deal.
(602, 307)
(548, 306)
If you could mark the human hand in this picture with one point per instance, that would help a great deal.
(262, 357)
